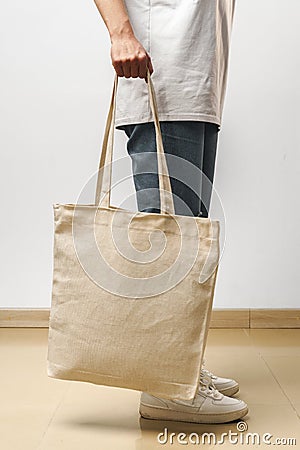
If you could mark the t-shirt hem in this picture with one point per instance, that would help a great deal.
(165, 116)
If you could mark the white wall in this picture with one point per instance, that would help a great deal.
(56, 80)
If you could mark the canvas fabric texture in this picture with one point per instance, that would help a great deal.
(132, 291)
(189, 45)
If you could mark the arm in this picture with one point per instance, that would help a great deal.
(129, 58)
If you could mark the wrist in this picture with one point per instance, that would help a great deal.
(120, 31)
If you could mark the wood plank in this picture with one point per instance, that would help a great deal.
(229, 318)
(221, 318)
(27, 317)
(275, 318)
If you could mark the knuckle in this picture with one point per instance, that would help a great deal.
(142, 57)
(116, 62)
(134, 59)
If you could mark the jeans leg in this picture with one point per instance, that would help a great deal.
(141, 146)
(195, 142)
(208, 166)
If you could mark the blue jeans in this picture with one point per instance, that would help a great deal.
(196, 143)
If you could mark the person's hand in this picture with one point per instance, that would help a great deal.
(129, 58)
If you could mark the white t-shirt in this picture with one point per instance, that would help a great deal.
(188, 41)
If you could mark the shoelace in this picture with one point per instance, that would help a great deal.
(209, 374)
(207, 386)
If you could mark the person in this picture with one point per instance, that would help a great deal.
(184, 44)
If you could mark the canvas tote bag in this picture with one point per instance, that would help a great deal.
(132, 291)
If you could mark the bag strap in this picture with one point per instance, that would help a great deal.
(105, 165)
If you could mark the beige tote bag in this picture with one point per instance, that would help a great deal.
(132, 291)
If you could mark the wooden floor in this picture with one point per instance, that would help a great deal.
(37, 412)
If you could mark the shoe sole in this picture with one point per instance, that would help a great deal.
(230, 391)
(149, 412)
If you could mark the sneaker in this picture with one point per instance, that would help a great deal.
(226, 386)
(208, 406)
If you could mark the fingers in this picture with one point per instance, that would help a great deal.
(143, 67)
(132, 66)
(135, 67)
(118, 68)
(126, 66)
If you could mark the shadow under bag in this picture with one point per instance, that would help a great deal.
(132, 291)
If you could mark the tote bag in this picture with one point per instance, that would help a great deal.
(132, 291)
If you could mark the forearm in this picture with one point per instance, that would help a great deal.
(115, 17)
(129, 58)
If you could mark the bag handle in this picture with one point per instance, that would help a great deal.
(105, 165)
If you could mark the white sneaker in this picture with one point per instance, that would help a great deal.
(208, 406)
(226, 386)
